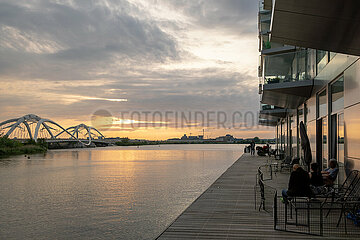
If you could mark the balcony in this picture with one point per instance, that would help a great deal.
(322, 24)
(267, 107)
(265, 6)
(288, 78)
(267, 122)
(264, 20)
(266, 47)
(287, 67)
(276, 48)
(270, 112)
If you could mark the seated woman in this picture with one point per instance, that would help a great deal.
(330, 174)
(316, 178)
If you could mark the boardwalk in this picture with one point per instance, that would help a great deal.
(226, 209)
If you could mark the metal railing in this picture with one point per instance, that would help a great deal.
(311, 216)
(314, 217)
(263, 192)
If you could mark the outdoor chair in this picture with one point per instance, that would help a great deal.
(272, 152)
(297, 204)
(262, 190)
(279, 154)
(286, 163)
(347, 187)
(260, 183)
(347, 195)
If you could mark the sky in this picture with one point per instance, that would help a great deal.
(147, 67)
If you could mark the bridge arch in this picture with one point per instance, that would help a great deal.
(31, 126)
(85, 138)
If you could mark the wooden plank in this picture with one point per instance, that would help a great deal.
(226, 209)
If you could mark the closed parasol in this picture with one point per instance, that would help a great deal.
(305, 145)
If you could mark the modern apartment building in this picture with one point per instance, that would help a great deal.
(309, 70)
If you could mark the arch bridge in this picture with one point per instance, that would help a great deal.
(83, 132)
(34, 127)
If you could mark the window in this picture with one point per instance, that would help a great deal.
(282, 136)
(321, 60)
(322, 104)
(337, 95)
(324, 142)
(340, 145)
(285, 135)
(300, 113)
(332, 55)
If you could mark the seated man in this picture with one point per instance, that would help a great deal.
(299, 184)
(330, 174)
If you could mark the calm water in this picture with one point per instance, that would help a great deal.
(105, 193)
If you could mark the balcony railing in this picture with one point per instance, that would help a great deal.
(268, 107)
(261, 7)
(288, 67)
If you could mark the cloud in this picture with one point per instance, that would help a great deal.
(50, 38)
(235, 16)
(67, 59)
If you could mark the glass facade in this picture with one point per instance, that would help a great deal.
(329, 108)
(324, 153)
(293, 127)
(340, 146)
(287, 67)
(337, 95)
(332, 55)
(285, 136)
(282, 136)
(321, 60)
(330, 111)
(300, 119)
(311, 131)
(322, 104)
(326, 131)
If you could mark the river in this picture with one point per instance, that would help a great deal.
(106, 193)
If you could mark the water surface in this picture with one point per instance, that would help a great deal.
(105, 193)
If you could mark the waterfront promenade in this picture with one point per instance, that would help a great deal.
(226, 209)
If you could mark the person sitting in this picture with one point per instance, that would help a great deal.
(316, 178)
(330, 174)
(299, 184)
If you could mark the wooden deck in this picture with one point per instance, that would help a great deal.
(226, 209)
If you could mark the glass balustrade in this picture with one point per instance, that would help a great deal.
(288, 67)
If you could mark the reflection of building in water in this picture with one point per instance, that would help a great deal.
(311, 74)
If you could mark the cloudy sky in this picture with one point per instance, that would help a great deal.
(66, 60)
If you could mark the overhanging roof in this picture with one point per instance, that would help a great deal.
(279, 50)
(266, 122)
(273, 114)
(332, 25)
(288, 94)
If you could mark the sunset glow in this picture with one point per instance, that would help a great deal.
(127, 56)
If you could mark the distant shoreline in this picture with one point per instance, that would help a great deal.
(144, 143)
(173, 143)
